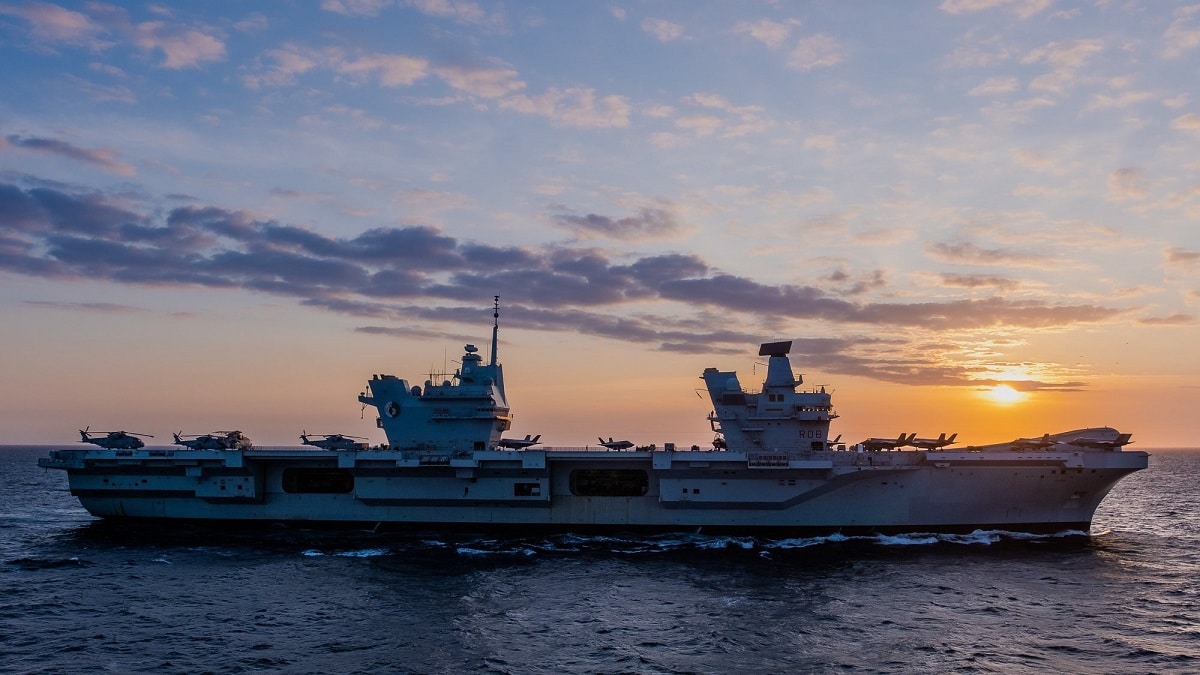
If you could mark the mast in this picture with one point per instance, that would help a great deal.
(495, 326)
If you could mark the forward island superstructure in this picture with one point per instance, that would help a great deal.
(772, 469)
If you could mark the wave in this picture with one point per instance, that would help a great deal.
(30, 564)
(564, 544)
(353, 553)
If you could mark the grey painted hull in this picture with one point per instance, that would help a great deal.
(707, 491)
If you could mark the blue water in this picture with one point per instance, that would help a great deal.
(79, 595)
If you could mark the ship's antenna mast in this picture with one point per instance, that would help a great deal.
(495, 326)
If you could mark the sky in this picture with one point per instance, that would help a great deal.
(972, 216)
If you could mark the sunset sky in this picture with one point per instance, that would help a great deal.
(972, 216)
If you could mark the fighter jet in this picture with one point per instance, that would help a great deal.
(217, 440)
(1033, 443)
(933, 443)
(119, 440)
(334, 441)
(1102, 443)
(888, 443)
(615, 445)
(518, 443)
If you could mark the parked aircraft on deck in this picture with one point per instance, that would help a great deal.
(933, 443)
(519, 443)
(1033, 443)
(1102, 444)
(217, 440)
(334, 441)
(119, 440)
(888, 443)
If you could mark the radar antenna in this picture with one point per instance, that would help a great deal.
(495, 325)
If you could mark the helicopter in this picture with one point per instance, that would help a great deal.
(217, 440)
(615, 445)
(113, 440)
(334, 441)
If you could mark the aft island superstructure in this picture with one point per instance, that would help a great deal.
(772, 469)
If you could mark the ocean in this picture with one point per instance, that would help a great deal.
(79, 595)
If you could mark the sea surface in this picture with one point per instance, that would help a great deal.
(78, 595)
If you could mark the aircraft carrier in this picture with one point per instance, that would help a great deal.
(771, 470)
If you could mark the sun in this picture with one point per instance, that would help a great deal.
(1004, 394)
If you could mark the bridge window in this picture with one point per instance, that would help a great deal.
(609, 483)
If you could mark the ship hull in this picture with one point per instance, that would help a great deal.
(647, 491)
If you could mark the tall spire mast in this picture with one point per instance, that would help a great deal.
(495, 326)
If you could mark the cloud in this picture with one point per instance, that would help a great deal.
(1127, 183)
(1189, 123)
(106, 159)
(181, 47)
(1022, 8)
(54, 25)
(97, 307)
(482, 82)
(773, 34)
(1170, 320)
(356, 7)
(1065, 60)
(663, 30)
(1181, 259)
(411, 272)
(994, 86)
(972, 254)
(1182, 36)
(1038, 161)
(978, 51)
(718, 115)
(573, 107)
(392, 70)
(1035, 385)
(389, 70)
(817, 51)
(461, 11)
(649, 223)
(255, 22)
(821, 142)
(700, 125)
(99, 93)
(290, 60)
(847, 284)
(977, 281)
(1119, 101)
